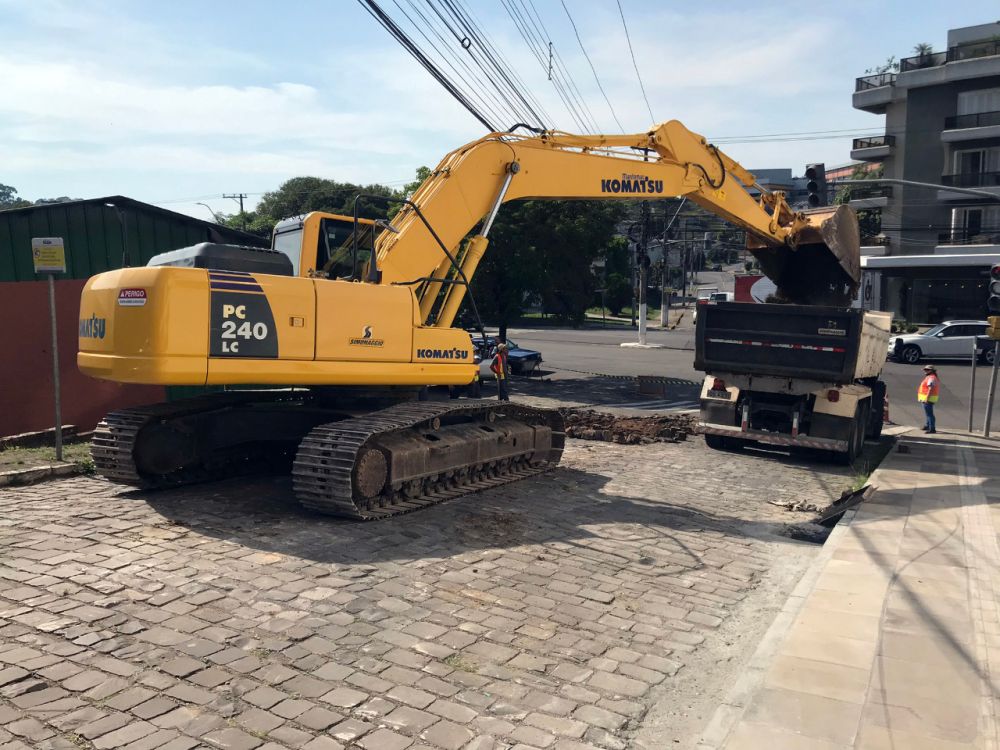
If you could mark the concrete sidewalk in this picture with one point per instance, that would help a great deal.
(892, 639)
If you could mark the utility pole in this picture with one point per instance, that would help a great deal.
(633, 264)
(665, 277)
(642, 261)
(239, 197)
(993, 388)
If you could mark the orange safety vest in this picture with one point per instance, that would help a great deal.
(499, 366)
(929, 389)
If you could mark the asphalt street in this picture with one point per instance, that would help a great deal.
(596, 353)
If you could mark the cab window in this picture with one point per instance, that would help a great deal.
(335, 254)
(290, 243)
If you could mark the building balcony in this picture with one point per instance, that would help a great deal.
(963, 237)
(872, 149)
(919, 62)
(873, 93)
(863, 197)
(962, 62)
(971, 127)
(960, 241)
(972, 179)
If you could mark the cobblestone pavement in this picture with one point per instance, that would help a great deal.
(543, 614)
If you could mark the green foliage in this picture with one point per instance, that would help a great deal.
(617, 293)
(542, 251)
(616, 258)
(9, 199)
(411, 187)
(891, 65)
(300, 195)
(923, 49)
(869, 220)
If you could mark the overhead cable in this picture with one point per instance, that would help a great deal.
(569, 15)
(635, 65)
(400, 36)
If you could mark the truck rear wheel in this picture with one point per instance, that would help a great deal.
(856, 437)
(875, 411)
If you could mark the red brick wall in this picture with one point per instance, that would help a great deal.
(26, 401)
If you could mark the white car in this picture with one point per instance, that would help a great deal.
(711, 297)
(949, 340)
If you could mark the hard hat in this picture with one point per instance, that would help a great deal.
(930, 368)
(501, 347)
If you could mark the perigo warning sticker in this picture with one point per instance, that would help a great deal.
(132, 297)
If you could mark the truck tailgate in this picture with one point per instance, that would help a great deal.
(797, 341)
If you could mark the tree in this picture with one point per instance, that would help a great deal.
(411, 187)
(300, 195)
(543, 251)
(891, 65)
(923, 49)
(617, 293)
(869, 220)
(9, 199)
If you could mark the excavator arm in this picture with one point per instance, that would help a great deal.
(812, 258)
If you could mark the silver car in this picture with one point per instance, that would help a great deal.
(952, 339)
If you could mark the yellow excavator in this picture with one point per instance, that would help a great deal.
(327, 340)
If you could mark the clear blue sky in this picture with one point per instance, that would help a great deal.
(182, 101)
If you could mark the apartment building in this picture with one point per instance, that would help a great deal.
(942, 126)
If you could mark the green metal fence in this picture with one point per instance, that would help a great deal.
(93, 234)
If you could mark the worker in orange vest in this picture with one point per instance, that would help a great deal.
(927, 394)
(501, 368)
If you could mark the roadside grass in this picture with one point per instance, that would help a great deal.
(652, 313)
(13, 459)
(869, 460)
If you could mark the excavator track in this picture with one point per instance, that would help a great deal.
(363, 468)
(115, 440)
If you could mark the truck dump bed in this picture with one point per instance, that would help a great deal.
(830, 344)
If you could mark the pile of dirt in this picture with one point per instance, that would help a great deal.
(586, 424)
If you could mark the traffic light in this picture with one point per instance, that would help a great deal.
(816, 185)
(993, 301)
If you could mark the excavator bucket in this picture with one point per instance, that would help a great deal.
(824, 268)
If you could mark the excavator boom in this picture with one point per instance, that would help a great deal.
(812, 257)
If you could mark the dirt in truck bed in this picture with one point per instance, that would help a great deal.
(595, 425)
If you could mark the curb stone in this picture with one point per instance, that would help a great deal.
(35, 474)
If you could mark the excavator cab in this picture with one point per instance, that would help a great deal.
(323, 245)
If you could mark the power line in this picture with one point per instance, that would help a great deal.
(472, 33)
(559, 69)
(400, 36)
(559, 64)
(529, 40)
(634, 63)
(569, 15)
(466, 44)
(506, 64)
(480, 86)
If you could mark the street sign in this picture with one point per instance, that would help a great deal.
(48, 254)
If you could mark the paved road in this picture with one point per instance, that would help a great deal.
(577, 354)
(550, 613)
